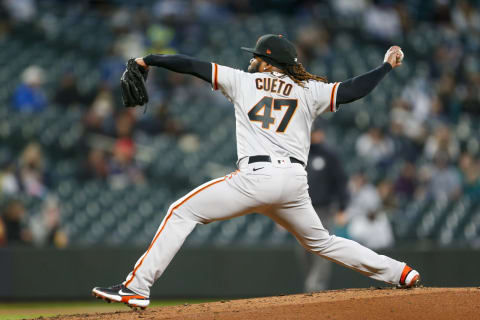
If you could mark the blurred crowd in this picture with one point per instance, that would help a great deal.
(429, 135)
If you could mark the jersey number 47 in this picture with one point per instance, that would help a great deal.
(267, 103)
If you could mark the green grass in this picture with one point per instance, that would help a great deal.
(29, 310)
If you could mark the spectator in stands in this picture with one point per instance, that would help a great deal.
(445, 180)
(122, 168)
(161, 122)
(130, 43)
(405, 16)
(211, 10)
(404, 147)
(349, 8)
(15, 216)
(8, 180)
(124, 124)
(4, 22)
(99, 118)
(328, 190)
(95, 166)
(470, 101)
(448, 55)
(438, 116)
(171, 10)
(442, 141)
(112, 67)
(21, 10)
(382, 21)
(406, 182)
(406, 123)
(386, 194)
(418, 95)
(340, 224)
(46, 226)
(67, 94)
(445, 88)
(470, 174)
(33, 177)
(373, 228)
(326, 179)
(363, 195)
(312, 42)
(465, 17)
(442, 13)
(374, 146)
(29, 96)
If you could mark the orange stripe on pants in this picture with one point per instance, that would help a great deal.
(161, 229)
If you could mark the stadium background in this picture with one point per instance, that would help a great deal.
(84, 182)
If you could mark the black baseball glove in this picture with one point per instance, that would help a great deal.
(134, 92)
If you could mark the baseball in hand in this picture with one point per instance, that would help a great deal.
(400, 56)
(394, 56)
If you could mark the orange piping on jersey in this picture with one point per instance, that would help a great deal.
(161, 229)
(333, 95)
(215, 84)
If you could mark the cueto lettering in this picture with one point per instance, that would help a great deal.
(273, 85)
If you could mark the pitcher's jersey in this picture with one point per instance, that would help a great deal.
(274, 115)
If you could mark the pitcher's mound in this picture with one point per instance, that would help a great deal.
(371, 304)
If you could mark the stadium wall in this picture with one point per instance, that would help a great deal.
(28, 273)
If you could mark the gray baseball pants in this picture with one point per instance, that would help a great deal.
(280, 191)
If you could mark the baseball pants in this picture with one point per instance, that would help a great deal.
(318, 270)
(277, 191)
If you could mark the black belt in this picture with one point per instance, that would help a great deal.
(254, 159)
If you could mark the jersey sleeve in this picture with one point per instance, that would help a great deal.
(227, 80)
(324, 97)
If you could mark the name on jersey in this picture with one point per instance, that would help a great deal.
(274, 85)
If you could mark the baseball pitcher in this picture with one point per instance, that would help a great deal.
(275, 103)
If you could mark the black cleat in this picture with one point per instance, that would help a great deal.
(120, 293)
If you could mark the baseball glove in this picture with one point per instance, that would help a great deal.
(134, 92)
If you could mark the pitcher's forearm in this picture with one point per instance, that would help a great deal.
(182, 64)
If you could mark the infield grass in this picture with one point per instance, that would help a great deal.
(31, 310)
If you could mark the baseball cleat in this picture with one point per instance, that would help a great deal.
(120, 293)
(409, 279)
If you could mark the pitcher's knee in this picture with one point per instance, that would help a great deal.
(184, 213)
(318, 243)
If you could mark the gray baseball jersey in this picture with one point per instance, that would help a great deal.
(273, 117)
(273, 114)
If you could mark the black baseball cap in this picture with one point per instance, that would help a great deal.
(276, 48)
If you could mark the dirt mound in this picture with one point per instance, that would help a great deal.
(386, 303)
